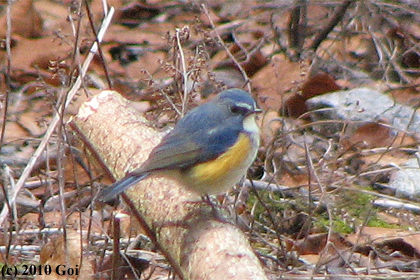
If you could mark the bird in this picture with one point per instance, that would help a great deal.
(207, 152)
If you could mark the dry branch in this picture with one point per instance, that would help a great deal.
(199, 244)
(331, 24)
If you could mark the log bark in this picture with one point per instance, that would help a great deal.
(200, 244)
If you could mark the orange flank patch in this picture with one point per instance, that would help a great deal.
(214, 170)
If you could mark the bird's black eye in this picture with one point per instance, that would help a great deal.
(240, 110)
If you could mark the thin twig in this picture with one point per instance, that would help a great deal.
(184, 71)
(8, 204)
(76, 33)
(72, 92)
(271, 217)
(116, 257)
(231, 56)
(330, 26)
(297, 26)
(8, 70)
(153, 237)
(100, 53)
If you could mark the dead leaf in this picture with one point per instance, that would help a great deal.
(66, 256)
(29, 26)
(135, 14)
(274, 80)
(314, 244)
(321, 83)
(407, 243)
(370, 135)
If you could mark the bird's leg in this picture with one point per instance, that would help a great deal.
(207, 199)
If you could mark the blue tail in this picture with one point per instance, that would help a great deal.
(119, 186)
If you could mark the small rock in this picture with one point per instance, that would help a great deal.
(406, 181)
(361, 105)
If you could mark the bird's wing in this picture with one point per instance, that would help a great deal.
(184, 149)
